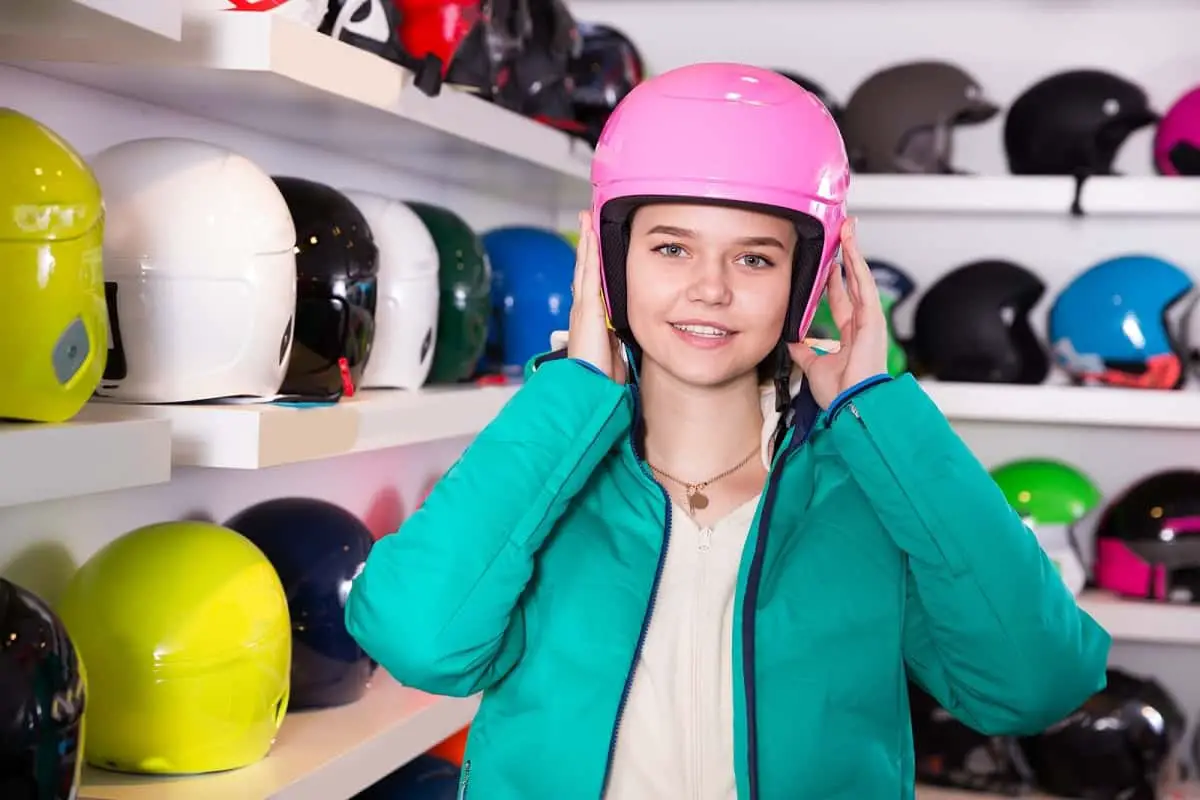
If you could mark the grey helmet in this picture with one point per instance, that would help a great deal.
(902, 119)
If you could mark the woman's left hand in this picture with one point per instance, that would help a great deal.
(862, 346)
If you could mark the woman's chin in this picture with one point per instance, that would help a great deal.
(710, 369)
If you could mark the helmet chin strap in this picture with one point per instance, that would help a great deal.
(783, 394)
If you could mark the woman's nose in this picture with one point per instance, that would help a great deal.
(710, 283)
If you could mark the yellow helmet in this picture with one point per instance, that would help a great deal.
(53, 314)
(185, 632)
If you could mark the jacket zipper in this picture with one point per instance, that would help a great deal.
(641, 640)
(464, 778)
(749, 618)
(699, 726)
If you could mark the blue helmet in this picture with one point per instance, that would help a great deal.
(894, 283)
(1109, 326)
(532, 271)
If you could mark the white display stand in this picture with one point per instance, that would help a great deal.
(105, 71)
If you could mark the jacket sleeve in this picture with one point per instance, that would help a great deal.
(436, 602)
(991, 631)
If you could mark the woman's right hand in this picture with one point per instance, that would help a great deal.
(590, 339)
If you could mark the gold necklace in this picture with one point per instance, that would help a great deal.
(697, 500)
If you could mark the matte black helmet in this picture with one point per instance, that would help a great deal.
(973, 326)
(1073, 123)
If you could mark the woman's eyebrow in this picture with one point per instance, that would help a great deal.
(761, 241)
(671, 230)
(748, 241)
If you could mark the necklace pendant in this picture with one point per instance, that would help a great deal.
(697, 500)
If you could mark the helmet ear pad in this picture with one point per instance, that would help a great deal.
(613, 233)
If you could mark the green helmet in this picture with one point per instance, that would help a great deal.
(53, 313)
(823, 327)
(465, 281)
(1047, 492)
(1051, 497)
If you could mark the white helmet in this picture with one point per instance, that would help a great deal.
(406, 311)
(200, 271)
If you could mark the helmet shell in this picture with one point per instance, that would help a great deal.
(532, 270)
(1177, 137)
(973, 325)
(1073, 123)
(185, 632)
(1110, 325)
(1046, 491)
(728, 134)
(406, 308)
(465, 281)
(53, 315)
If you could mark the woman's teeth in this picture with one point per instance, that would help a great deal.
(701, 330)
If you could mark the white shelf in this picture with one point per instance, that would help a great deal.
(273, 75)
(1092, 406)
(1012, 194)
(84, 456)
(1142, 620)
(319, 755)
(119, 20)
(259, 436)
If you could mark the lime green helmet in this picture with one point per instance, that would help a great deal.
(1047, 492)
(465, 281)
(53, 314)
(1051, 497)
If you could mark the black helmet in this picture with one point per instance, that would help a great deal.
(607, 68)
(1073, 123)
(1117, 744)
(948, 753)
(41, 701)
(337, 264)
(902, 119)
(1152, 526)
(541, 73)
(973, 325)
(817, 89)
(484, 52)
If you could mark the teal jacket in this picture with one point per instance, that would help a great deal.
(880, 550)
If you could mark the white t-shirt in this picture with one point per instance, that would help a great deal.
(676, 736)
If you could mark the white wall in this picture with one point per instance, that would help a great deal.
(1007, 45)
(41, 543)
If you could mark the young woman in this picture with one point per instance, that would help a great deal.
(696, 557)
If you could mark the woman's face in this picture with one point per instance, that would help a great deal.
(708, 288)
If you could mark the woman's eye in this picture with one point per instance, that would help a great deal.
(756, 261)
(672, 250)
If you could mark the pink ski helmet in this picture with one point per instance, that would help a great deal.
(729, 134)
(1177, 140)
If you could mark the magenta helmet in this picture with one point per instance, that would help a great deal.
(1177, 140)
(728, 134)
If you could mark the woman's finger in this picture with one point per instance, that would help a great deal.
(590, 280)
(850, 266)
(864, 281)
(580, 254)
(839, 301)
